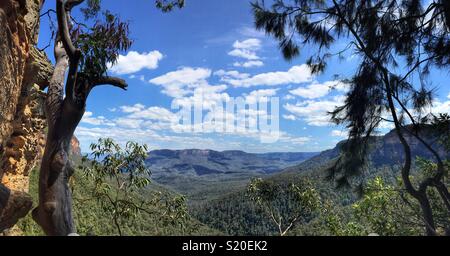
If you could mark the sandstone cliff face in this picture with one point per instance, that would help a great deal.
(75, 147)
(24, 71)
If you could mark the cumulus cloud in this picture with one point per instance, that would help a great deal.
(89, 118)
(252, 44)
(249, 64)
(295, 75)
(247, 50)
(339, 133)
(318, 90)
(131, 109)
(134, 62)
(243, 53)
(289, 97)
(315, 112)
(290, 117)
(260, 95)
(226, 75)
(181, 82)
(143, 113)
(441, 107)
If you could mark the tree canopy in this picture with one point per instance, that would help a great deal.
(394, 39)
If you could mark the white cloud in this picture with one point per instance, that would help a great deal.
(131, 109)
(441, 107)
(243, 53)
(250, 31)
(339, 133)
(128, 123)
(88, 118)
(315, 112)
(295, 75)
(154, 113)
(134, 62)
(249, 64)
(140, 116)
(141, 77)
(318, 90)
(260, 95)
(289, 97)
(247, 50)
(289, 117)
(252, 44)
(207, 96)
(182, 82)
(225, 75)
(298, 140)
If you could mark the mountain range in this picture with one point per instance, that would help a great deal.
(205, 174)
(189, 170)
(234, 214)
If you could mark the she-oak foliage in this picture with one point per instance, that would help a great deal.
(395, 40)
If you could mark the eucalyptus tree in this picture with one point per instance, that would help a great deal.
(119, 176)
(395, 40)
(85, 51)
(285, 204)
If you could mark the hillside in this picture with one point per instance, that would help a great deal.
(91, 219)
(206, 173)
(385, 150)
(235, 215)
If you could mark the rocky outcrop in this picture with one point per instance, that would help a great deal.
(16, 207)
(24, 71)
(75, 149)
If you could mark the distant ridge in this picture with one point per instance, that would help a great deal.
(384, 150)
(191, 170)
(204, 161)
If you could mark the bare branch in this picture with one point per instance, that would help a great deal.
(108, 80)
(63, 8)
(70, 4)
(64, 30)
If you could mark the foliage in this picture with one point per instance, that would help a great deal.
(383, 212)
(384, 207)
(101, 44)
(286, 205)
(169, 5)
(92, 9)
(117, 174)
(91, 219)
(384, 34)
(441, 124)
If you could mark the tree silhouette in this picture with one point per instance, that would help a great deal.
(86, 51)
(395, 40)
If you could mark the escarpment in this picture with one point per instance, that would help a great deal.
(24, 73)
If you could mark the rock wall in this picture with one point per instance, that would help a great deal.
(24, 71)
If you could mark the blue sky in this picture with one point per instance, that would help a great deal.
(211, 44)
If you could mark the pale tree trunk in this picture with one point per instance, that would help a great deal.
(54, 212)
